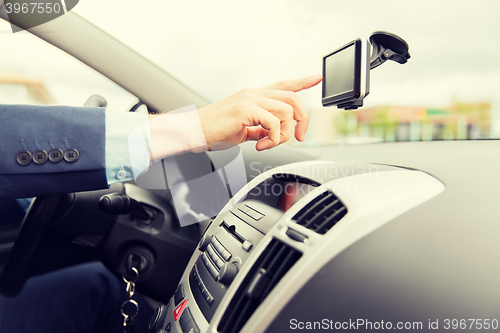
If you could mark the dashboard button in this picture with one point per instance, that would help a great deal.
(207, 296)
(179, 308)
(211, 253)
(186, 317)
(247, 211)
(212, 271)
(217, 245)
(207, 239)
(295, 235)
(191, 327)
(179, 295)
(221, 249)
(227, 273)
(219, 263)
(226, 255)
(210, 267)
(204, 259)
(195, 274)
(209, 299)
(247, 245)
(256, 215)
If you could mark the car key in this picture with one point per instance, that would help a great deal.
(130, 308)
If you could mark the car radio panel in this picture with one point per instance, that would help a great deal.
(226, 250)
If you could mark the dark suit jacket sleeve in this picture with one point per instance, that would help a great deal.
(78, 132)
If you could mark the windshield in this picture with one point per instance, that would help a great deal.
(447, 90)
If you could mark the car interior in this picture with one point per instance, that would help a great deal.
(403, 232)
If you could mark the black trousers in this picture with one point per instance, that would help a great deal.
(84, 298)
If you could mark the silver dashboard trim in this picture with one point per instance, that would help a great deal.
(372, 199)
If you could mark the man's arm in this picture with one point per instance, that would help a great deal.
(55, 149)
(268, 115)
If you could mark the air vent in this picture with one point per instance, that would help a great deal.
(271, 266)
(322, 213)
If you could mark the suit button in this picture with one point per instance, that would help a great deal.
(121, 174)
(71, 155)
(55, 155)
(23, 157)
(40, 156)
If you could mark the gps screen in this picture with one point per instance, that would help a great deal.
(339, 70)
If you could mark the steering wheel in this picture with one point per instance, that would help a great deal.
(18, 268)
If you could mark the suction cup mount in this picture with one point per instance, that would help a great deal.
(346, 71)
(387, 46)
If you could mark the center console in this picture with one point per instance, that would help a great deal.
(278, 232)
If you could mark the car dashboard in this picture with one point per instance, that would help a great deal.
(280, 231)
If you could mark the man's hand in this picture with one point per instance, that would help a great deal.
(268, 115)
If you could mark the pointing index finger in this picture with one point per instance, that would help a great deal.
(296, 84)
